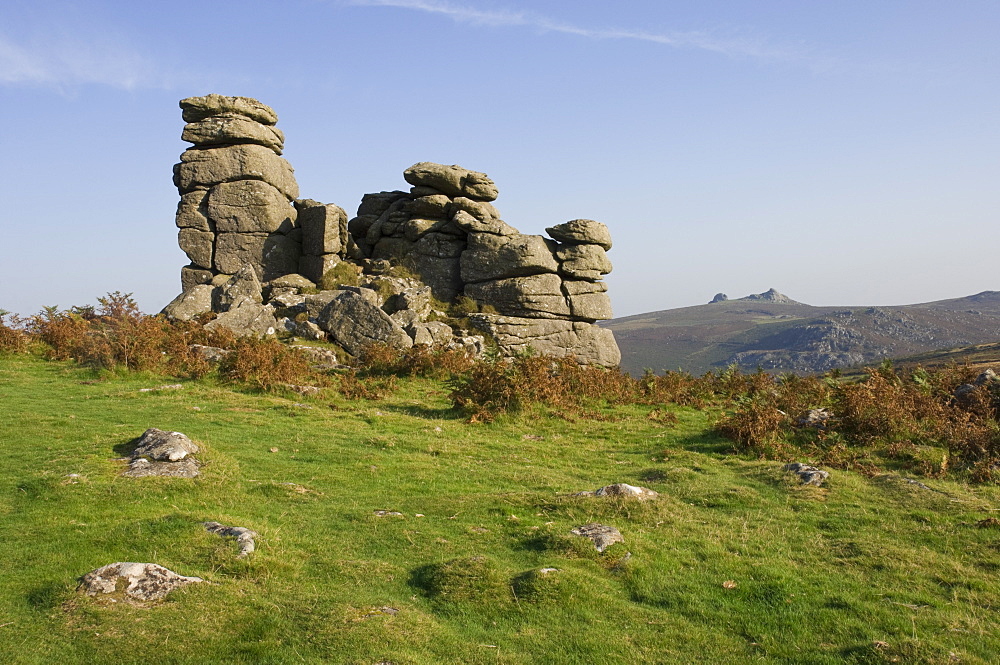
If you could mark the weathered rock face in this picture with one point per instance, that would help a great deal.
(254, 246)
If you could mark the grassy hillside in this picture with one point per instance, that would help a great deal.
(733, 563)
(794, 337)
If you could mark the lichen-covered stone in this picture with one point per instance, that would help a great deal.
(602, 535)
(244, 286)
(143, 581)
(192, 275)
(470, 224)
(270, 255)
(245, 537)
(158, 445)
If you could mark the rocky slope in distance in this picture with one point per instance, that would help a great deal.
(778, 334)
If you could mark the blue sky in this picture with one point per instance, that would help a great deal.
(841, 152)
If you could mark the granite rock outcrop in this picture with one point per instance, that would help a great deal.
(265, 261)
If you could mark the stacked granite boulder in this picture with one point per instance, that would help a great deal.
(258, 252)
(540, 292)
(236, 192)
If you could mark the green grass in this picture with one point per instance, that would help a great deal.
(865, 570)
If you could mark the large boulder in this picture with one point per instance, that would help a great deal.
(324, 227)
(249, 318)
(249, 206)
(192, 211)
(437, 206)
(210, 166)
(581, 232)
(588, 262)
(490, 257)
(230, 129)
(198, 245)
(533, 296)
(195, 109)
(375, 204)
(192, 275)
(271, 255)
(588, 343)
(242, 287)
(196, 300)
(480, 210)
(452, 180)
(588, 301)
(355, 323)
(469, 223)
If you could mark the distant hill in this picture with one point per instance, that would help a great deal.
(774, 332)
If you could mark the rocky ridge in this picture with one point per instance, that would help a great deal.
(263, 259)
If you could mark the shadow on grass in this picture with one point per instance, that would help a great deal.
(127, 448)
(704, 442)
(46, 596)
(427, 413)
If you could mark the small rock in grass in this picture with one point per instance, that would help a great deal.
(244, 537)
(145, 581)
(388, 513)
(809, 475)
(622, 490)
(603, 536)
(302, 390)
(173, 386)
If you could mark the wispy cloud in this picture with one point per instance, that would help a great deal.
(63, 63)
(746, 46)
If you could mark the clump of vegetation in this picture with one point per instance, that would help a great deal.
(352, 385)
(265, 364)
(495, 385)
(13, 338)
(418, 360)
(344, 273)
(541, 585)
(465, 579)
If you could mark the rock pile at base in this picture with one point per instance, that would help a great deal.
(258, 252)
